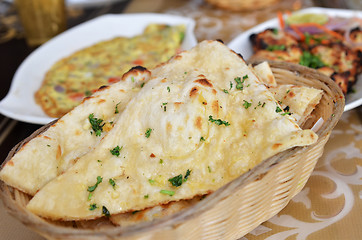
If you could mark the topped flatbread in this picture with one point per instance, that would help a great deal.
(55, 150)
(203, 119)
(76, 76)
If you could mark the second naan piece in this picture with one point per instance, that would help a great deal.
(55, 150)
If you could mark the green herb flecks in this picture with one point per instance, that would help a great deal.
(112, 182)
(92, 188)
(202, 139)
(116, 151)
(105, 211)
(188, 172)
(226, 91)
(168, 89)
(278, 109)
(146, 196)
(92, 206)
(116, 108)
(218, 121)
(96, 124)
(246, 104)
(239, 83)
(148, 132)
(168, 192)
(286, 111)
(176, 181)
(309, 60)
(275, 47)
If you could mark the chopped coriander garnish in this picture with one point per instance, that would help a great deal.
(245, 76)
(132, 78)
(145, 196)
(176, 181)
(105, 211)
(116, 108)
(164, 106)
(246, 104)
(168, 89)
(112, 182)
(48, 145)
(218, 121)
(275, 31)
(275, 47)
(92, 206)
(239, 83)
(278, 109)
(151, 181)
(99, 160)
(231, 85)
(142, 84)
(226, 91)
(161, 161)
(148, 132)
(188, 172)
(168, 192)
(309, 60)
(116, 151)
(92, 188)
(90, 196)
(96, 124)
(202, 139)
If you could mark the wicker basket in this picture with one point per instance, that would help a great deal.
(242, 5)
(231, 211)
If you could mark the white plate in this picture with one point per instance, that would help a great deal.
(242, 45)
(19, 103)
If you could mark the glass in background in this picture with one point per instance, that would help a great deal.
(41, 19)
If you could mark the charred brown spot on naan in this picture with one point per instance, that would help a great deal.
(198, 122)
(215, 107)
(135, 71)
(194, 92)
(204, 82)
(177, 105)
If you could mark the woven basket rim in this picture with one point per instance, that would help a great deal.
(204, 205)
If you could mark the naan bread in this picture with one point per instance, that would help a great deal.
(202, 120)
(299, 101)
(54, 151)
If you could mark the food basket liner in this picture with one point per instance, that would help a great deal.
(230, 212)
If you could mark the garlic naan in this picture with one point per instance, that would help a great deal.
(202, 120)
(55, 150)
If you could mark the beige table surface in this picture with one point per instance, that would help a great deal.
(330, 205)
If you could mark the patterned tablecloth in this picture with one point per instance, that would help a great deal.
(330, 205)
